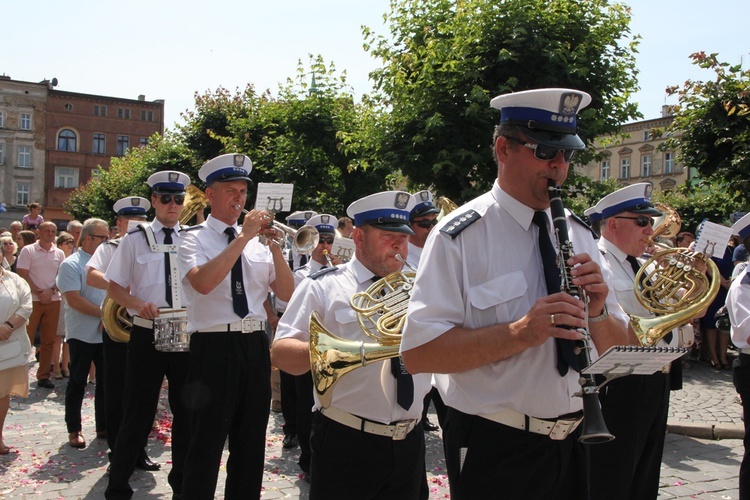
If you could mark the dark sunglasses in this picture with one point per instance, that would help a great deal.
(641, 220)
(166, 198)
(426, 224)
(327, 241)
(545, 153)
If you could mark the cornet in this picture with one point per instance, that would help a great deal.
(304, 239)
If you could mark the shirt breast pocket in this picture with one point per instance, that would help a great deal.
(149, 268)
(500, 299)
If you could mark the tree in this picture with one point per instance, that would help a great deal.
(445, 59)
(711, 128)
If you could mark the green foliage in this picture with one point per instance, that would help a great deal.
(711, 129)
(445, 59)
(127, 176)
(714, 201)
(581, 192)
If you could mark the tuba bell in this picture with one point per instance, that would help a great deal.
(381, 312)
(115, 318)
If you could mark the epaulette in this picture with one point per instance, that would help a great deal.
(460, 222)
(320, 272)
(136, 229)
(113, 242)
(583, 223)
(197, 226)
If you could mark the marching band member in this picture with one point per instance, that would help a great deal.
(365, 441)
(115, 353)
(141, 278)
(422, 219)
(296, 220)
(483, 318)
(227, 273)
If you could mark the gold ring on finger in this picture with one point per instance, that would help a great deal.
(552, 319)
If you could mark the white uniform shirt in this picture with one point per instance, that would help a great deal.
(201, 244)
(489, 274)
(103, 256)
(134, 265)
(369, 391)
(738, 305)
(301, 273)
(412, 258)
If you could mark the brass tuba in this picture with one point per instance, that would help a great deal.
(115, 318)
(381, 312)
(446, 206)
(673, 283)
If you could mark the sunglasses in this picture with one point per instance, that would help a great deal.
(102, 237)
(426, 224)
(545, 153)
(327, 241)
(166, 198)
(641, 220)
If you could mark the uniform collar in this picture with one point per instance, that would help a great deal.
(610, 248)
(219, 226)
(521, 213)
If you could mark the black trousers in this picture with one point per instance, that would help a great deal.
(144, 375)
(489, 460)
(229, 383)
(635, 411)
(305, 403)
(288, 391)
(440, 408)
(741, 378)
(82, 354)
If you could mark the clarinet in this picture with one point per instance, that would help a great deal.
(594, 429)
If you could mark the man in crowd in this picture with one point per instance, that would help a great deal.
(227, 276)
(369, 428)
(83, 331)
(634, 407)
(38, 263)
(74, 228)
(144, 277)
(485, 317)
(346, 227)
(131, 208)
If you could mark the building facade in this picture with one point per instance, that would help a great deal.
(53, 141)
(635, 156)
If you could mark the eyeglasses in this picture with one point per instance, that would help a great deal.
(104, 237)
(166, 198)
(545, 153)
(327, 241)
(68, 243)
(8, 243)
(426, 224)
(641, 220)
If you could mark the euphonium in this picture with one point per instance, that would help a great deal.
(594, 429)
(115, 318)
(381, 312)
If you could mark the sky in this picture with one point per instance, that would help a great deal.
(169, 49)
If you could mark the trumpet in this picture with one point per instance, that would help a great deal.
(304, 239)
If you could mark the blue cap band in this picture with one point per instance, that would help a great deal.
(381, 216)
(226, 173)
(132, 211)
(625, 206)
(168, 186)
(560, 123)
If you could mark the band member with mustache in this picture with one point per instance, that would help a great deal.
(368, 440)
(227, 274)
(485, 317)
(140, 278)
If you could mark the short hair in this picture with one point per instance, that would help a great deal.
(504, 129)
(681, 236)
(6, 239)
(344, 219)
(89, 224)
(16, 223)
(63, 237)
(74, 225)
(34, 204)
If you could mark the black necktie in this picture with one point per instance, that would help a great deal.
(404, 381)
(167, 266)
(565, 347)
(636, 266)
(239, 301)
(302, 260)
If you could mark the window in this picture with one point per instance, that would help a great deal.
(24, 156)
(100, 110)
(25, 121)
(66, 140)
(604, 170)
(144, 141)
(123, 143)
(2, 119)
(123, 113)
(2, 153)
(624, 168)
(646, 166)
(22, 193)
(668, 163)
(646, 135)
(147, 115)
(68, 106)
(99, 144)
(66, 177)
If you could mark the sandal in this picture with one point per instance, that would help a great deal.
(715, 366)
(75, 439)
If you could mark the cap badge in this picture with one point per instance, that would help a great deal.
(402, 199)
(135, 202)
(173, 176)
(647, 191)
(239, 160)
(425, 196)
(325, 218)
(569, 103)
(308, 215)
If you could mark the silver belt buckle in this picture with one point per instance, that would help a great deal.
(563, 427)
(401, 429)
(246, 325)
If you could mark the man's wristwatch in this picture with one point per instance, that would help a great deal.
(604, 315)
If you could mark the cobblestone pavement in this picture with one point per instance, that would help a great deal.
(701, 457)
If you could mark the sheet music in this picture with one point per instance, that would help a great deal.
(712, 239)
(274, 197)
(636, 360)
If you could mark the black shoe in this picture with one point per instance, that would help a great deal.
(46, 383)
(290, 441)
(145, 463)
(429, 426)
(306, 477)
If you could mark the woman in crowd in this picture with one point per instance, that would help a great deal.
(25, 238)
(32, 219)
(15, 309)
(66, 243)
(11, 249)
